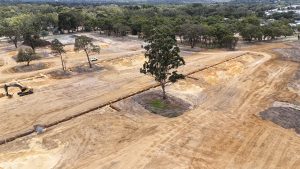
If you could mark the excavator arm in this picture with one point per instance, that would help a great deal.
(23, 89)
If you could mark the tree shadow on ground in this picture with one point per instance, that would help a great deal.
(77, 70)
(30, 68)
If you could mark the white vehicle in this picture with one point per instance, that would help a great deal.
(93, 59)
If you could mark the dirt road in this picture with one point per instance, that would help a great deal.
(222, 130)
(68, 97)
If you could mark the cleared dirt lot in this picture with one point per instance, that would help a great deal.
(223, 128)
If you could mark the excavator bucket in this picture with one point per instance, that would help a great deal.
(26, 92)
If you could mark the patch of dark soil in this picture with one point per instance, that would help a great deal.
(285, 117)
(86, 69)
(30, 68)
(294, 82)
(292, 54)
(171, 107)
(77, 70)
(60, 74)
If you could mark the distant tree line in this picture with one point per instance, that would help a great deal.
(210, 25)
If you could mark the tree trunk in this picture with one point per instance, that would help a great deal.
(32, 46)
(15, 43)
(65, 66)
(28, 63)
(87, 55)
(62, 62)
(180, 37)
(163, 86)
(192, 44)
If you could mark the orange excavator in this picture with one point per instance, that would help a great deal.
(23, 89)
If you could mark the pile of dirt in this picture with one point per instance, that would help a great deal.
(286, 117)
(171, 107)
(30, 68)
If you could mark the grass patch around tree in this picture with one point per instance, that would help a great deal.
(159, 104)
(32, 67)
(170, 107)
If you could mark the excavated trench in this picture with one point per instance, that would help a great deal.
(31, 131)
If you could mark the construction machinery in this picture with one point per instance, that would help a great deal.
(23, 89)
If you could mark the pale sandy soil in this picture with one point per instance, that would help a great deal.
(222, 130)
(110, 49)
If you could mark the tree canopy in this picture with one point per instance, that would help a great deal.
(204, 25)
(58, 48)
(85, 43)
(162, 57)
(26, 55)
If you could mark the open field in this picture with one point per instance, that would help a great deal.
(95, 120)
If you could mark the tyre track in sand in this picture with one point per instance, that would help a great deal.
(31, 131)
(179, 129)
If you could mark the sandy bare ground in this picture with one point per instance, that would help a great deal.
(67, 97)
(111, 48)
(222, 130)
